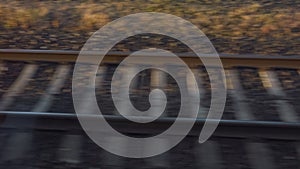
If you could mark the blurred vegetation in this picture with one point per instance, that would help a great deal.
(238, 26)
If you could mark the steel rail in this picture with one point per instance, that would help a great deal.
(226, 128)
(228, 60)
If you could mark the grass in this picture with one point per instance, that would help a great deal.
(239, 19)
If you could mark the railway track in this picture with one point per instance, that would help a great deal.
(261, 88)
(260, 122)
(235, 144)
(39, 149)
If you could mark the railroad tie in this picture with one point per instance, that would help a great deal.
(17, 146)
(25, 138)
(242, 110)
(116, 144)
(191, 89)
(208, 155)
(1, 67)
(19, 142)
(71, 144)
(122, 89)
(86, 105)
(272, 84)
(158, 79)
(298, 150)
(18, 85)
(70, 149)
(259, 156)
(202, 78)
(100, 77)
(162, 160)
(121, 144)
(56, 84)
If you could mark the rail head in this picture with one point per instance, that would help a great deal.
(228, 60)
(226, 128)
